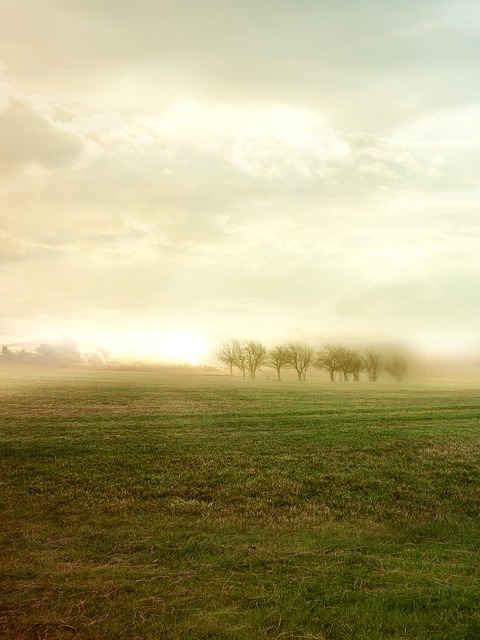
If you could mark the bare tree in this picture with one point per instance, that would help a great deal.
(234, 354)
(329, 359)
(356, 365)
(300, 357)
(228, 354)
(241, 360)
(373, 364)
(344, 356)
(397, 367)
(279, 358)
(255, 356)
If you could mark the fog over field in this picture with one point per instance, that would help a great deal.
(178, 174)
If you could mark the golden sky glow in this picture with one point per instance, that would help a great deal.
(173, 174)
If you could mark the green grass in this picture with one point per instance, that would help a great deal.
(141, 506)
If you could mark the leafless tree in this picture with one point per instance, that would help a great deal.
(241, 360)
(397, 367)
(279, 358)
(228, 354)
(329, 359)
(300, 357)
(344, 356)
(373, 364)
(356, 365)
(255, 356)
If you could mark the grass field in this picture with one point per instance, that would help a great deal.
(140, 505)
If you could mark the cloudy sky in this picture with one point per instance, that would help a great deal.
(174, 173)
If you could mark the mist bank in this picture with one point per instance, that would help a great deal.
(63, 354)
(67, 354)
(421, 365)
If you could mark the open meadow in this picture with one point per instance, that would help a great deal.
(146, 505)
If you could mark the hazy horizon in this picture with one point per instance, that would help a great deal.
(174, 175)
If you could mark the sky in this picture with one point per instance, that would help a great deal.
(177, 173)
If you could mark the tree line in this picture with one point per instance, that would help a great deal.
(64, 354)
(249, 356)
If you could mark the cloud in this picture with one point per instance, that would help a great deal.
(10, 248)
(253, 164)
(418, 304)
(30, 137)
(381, 62)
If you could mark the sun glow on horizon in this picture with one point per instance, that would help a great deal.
(172, 347)
(123, 342)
